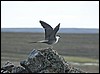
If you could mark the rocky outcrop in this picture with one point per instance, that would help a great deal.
(41, 61)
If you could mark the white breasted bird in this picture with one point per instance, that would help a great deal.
(50, 34)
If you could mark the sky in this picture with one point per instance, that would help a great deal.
(70, 14)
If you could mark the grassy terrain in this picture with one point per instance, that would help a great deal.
(80, 59)
(75, 47)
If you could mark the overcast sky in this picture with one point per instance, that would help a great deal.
(71, 14)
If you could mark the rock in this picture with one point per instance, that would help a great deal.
(7, 67)
(42, 61)
(19, 69)
(35, 62)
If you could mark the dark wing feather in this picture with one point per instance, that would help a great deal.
(53, 34)
(48, 29)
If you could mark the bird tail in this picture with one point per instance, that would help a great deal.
(33, 42)
(43, 41)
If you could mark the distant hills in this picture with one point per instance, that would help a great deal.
(41, 30)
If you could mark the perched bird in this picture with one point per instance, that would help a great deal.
(50, 34)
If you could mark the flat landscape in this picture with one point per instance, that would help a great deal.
(81, 48)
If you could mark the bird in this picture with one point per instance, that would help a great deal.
(50, 34)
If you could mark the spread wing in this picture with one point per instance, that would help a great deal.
(53, 34)
(48, 29)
